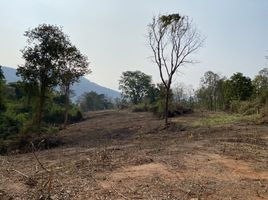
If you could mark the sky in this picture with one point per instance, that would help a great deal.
(112, 33)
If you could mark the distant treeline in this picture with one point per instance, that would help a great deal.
(238, 94)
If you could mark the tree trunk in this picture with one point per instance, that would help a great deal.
(166, 105)
(40, 106)
(67, 94)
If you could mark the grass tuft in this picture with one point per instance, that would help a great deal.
(224, 118)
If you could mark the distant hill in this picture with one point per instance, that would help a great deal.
(84, 85)
(10, 74)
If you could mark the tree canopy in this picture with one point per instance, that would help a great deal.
(135, 85)
(50, 59)
(211, 91)
(238, 87)
(260, 81)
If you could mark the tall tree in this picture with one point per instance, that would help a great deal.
(43, 55)
(260, 82)
(211, 93)
(73, 66)
(135, 85)
(209, 81)
(173, 39)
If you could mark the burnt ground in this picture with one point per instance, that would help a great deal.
(124, 155)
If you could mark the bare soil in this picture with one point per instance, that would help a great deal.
(125, 155)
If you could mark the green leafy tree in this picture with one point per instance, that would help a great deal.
(73, 66)
(173, 39)
(238, 87)
(43, 56)
(135, 85)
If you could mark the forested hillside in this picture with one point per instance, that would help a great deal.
(79, 88)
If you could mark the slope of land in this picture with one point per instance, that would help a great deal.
(123, 155)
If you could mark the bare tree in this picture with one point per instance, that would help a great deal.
(172, 38)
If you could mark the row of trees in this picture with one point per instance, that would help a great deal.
(19, 104)
(238, 93)
(220, 93)
(141, 94)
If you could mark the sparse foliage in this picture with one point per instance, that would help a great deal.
(211, 93)
(173, 39)
(260, 81)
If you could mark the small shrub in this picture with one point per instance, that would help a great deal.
(75, 115)
(224, 118)
(153, 108)
(8, 127)
(55, 115)
(248, 107)
(139, 108)
(3, 147)
(23, 143)
(234, 106)
(244, 107)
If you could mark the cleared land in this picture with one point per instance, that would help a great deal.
(124, 155)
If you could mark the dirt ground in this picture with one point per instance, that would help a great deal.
(124, 155)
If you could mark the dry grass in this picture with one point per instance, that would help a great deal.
(124, 155)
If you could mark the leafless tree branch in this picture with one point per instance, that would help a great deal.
(172, 38)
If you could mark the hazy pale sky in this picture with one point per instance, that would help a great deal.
(112, 34)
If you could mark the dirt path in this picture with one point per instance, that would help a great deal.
(122, 155)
